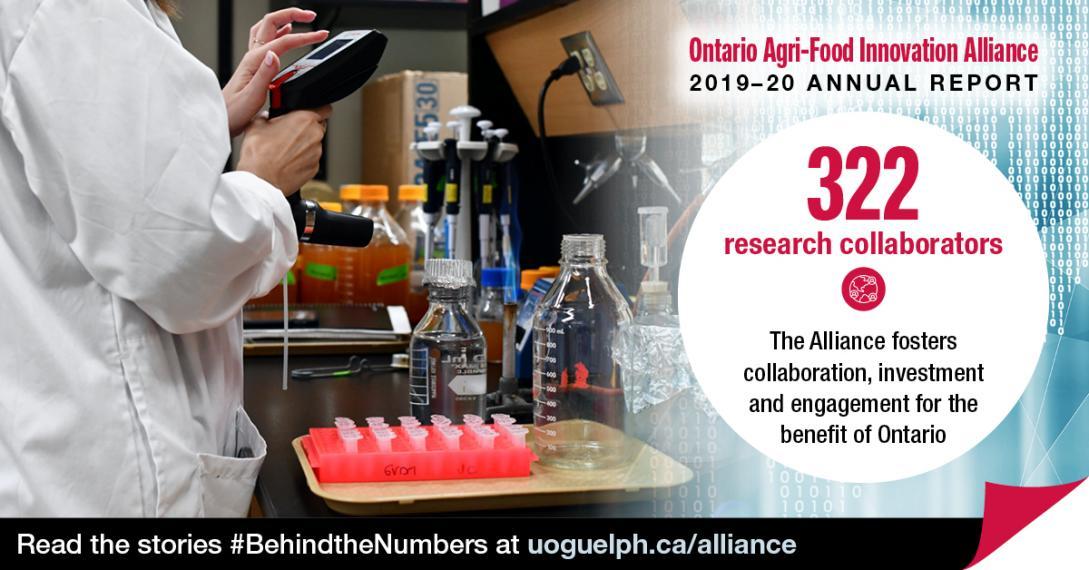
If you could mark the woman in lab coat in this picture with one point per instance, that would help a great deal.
(127, 255)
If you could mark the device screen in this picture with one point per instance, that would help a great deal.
(328, 49)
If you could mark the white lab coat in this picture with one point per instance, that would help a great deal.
(126, 256)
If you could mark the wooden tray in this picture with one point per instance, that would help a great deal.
(545, 487)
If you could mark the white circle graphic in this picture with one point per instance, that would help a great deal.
(991, 306)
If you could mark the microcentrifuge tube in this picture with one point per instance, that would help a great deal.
(417, 436)
(350, 439)
(517, 436)
(451, 436)
(384, 438)
(486, 438)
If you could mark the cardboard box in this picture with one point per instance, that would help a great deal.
(396, 108)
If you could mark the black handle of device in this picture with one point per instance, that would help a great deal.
(320, 226)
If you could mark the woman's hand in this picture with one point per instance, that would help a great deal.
(270, 38)
(285, 151)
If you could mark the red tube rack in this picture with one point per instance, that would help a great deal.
(333, 463)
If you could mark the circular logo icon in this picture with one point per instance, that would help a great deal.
(863, 289)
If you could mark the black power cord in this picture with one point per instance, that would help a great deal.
(570, 66)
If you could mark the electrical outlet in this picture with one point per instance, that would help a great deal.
(596, 79)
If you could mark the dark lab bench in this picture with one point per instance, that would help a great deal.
(283, 416)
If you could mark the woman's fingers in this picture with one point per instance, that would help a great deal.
(271, 25)
(254, 93)
(270, 39)
(249, 64)
(283, 31)
(247, 89)
(323, 112)
(284, 44)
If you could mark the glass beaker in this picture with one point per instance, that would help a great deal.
(578, 394)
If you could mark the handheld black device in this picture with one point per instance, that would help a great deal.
(330, 72)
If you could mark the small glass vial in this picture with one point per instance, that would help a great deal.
(448, 370)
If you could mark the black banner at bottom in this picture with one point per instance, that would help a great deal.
(741, 543)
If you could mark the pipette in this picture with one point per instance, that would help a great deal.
(432, 207)
(330, 72)
(468, 151)
(485, 200)
(507, 207)
(451, 191)
(327, 74)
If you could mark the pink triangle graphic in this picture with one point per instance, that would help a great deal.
(1008, 509)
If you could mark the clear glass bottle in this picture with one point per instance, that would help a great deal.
(411, 218)
(578, 392)
(380, 271)
(489, 310)
(448, 369)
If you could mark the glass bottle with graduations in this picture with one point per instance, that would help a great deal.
(578, 394)
(448, 370)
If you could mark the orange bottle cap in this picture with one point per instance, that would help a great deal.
(373, 193)
(409, 192)
(529, 277)
(552, 271)
(351, 192)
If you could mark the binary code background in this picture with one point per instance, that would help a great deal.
(1038, 140)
